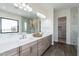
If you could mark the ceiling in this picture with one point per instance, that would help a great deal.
(56, 5)
(37, 7)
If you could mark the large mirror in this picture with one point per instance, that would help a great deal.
(9, 25)
(31, 25)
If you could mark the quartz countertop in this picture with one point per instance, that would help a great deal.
(12, 43)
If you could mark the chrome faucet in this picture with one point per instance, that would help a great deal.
(23, 36)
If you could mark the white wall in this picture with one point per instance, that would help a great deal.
(10, 15)
(78, 35)
(71, 24)
(47, 24)
(61, 13)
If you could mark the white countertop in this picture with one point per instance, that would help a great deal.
(14, 43)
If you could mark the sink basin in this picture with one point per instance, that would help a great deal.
(38, 34)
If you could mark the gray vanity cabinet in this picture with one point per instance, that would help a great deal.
(29, 49)
(35, 48)
(46, 43)
(43, 44)
(24, 50)
(50, 39)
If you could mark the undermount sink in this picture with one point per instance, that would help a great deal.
(38, 34)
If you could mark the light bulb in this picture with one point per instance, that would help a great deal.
(23, 4)
(20, 7)
(40, 15)
(15, 4)
(29, 8)
(25, 9)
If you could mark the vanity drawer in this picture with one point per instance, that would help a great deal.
(25, 52)
(28, 45)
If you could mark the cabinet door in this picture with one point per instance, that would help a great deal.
(29, 49)
(13, 52)
(50, 39)
(41, 47)
(25, 52)
(33, 50)
(43, 44)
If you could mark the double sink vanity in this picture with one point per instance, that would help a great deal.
(29, 46)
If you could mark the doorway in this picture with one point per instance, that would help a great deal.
(62, 29)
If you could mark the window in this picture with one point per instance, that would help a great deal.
(9, 25)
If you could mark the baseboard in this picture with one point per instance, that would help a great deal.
(65, 43)
(52, 43)
(46, 50)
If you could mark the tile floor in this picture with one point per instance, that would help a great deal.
(60, 49)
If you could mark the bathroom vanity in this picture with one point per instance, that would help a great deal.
(32, 46)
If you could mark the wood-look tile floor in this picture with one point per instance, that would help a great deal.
(60, 50)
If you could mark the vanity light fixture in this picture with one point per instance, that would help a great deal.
(29, 8)
(23, 6)
(41, 15)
